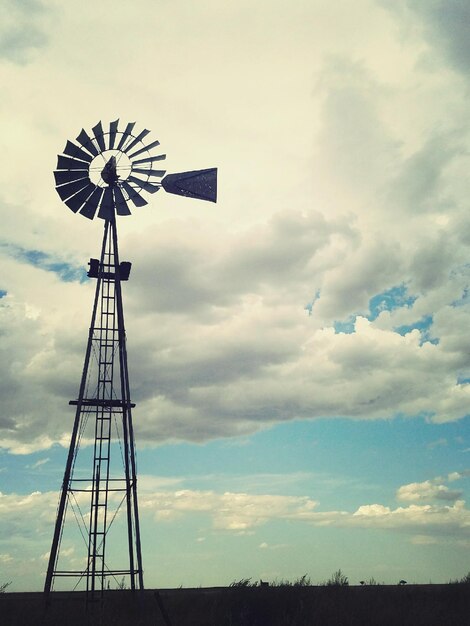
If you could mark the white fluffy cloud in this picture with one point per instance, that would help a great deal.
(427, 490)
(433, 489)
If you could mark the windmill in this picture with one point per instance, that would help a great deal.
(105, 174)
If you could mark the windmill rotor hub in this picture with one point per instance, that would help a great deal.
(109, 172)
(117, 168)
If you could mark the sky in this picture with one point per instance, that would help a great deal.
(298, 352)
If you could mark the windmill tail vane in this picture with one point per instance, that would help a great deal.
(104, 174)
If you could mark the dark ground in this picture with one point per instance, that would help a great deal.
(382, 605)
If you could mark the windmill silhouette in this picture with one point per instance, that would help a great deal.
(104, 174)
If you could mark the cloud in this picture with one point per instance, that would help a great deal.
(237, 511)
(27, 518)
(453, 476)
(437, 443)
(243, 512)
(219, 343)
(40, 463)
(421, 183)
(452, 519)
(427, 490)
(229, 511)
(446, 26)
(278, 546)
(5, 558)
(360, 200)
(433, 489)
(23, 27)
(423, 540)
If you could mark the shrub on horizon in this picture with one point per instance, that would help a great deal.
(243, 582)
(338, 579)
(465, 580)
(303, 581)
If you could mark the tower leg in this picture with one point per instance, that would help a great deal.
(60, 519)
(129, 447)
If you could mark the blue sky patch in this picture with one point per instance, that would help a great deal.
(464, 298)
(66, 271)
(424, 327)
(459, 272)
(346, 326)
(389, 300)
(309, 306)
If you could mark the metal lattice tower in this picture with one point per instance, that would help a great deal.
(102, 175)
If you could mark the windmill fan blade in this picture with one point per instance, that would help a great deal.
(63, 176)
(133, 195)
(106, 205)
(85, 141)
(159, 157)
(201, 184)
(144, 149)
(149, 172)
(135, 141)
(76, 202)
(66, 163)
(125, 135)
(74, 151)
(143, 184)
(90, 206)
(65, 191)
(120, 202)
(98, 132)
(112, 133)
